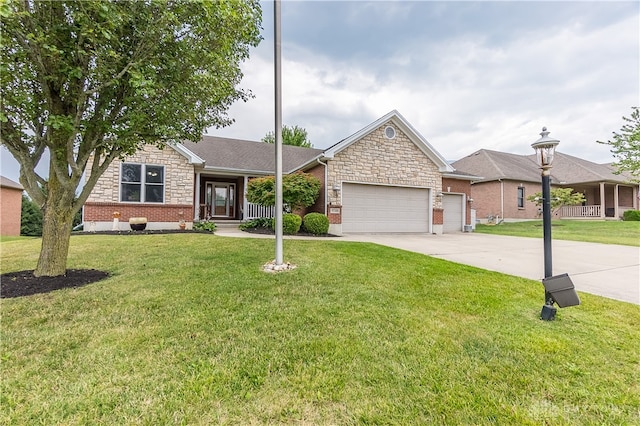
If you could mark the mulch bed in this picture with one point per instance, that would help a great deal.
(269, 231)
(24, 283)
(145, 232)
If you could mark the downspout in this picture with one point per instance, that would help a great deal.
(326, 189)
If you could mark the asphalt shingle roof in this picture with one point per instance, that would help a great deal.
(236, 154)
(8, 183)
(567, 169)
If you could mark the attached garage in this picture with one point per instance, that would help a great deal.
(453, 212)
(378, 208)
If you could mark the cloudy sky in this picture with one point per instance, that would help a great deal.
(466, 75)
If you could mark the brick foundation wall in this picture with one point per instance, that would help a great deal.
(103, 212)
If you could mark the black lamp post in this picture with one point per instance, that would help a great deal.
(545, 148)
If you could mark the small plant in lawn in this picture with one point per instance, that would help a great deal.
(316, 223)
(205, 225)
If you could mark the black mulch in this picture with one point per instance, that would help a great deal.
(269, 231)
(144, 232)
(24, 283)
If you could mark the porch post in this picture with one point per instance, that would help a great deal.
(245, 204)
(635, 197)
(615, 201)
(603, 207)
(196, 210)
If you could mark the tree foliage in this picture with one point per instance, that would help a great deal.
(559, 197)
(30, 218)
(625, 146)
(299, 190)
(95, 80)
(296, 136)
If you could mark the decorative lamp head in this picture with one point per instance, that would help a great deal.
(545, 148)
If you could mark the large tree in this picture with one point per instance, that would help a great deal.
(625, 146)
(296, 136)
(96, 80)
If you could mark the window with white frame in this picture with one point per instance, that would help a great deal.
(141, 183)
(521, 197)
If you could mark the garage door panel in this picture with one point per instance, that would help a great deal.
(377, 208)
(452, 205)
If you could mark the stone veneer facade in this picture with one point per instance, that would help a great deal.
(178, 193)
(375, 159)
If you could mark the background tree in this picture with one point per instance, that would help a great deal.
(296, 136)
(30, 218)
(95, 80)
(559, 197)
(299, 190)
(625, 146)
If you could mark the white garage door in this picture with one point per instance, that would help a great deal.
(452, 205)
(376, 208)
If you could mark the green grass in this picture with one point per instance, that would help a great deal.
(594, 231)
(189, 330)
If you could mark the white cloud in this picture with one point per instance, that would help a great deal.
(464, 90)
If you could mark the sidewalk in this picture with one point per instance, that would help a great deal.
(611, 271)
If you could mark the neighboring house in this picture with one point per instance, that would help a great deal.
(508, 179)
(10, 207)
(384, 178)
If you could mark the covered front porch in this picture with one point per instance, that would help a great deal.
(603, 200)
(223, 198)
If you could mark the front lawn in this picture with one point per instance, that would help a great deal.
(189, 330)
(594, 231)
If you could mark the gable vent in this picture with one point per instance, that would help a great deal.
(389, 132)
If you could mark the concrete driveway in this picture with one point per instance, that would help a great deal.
(607, 270)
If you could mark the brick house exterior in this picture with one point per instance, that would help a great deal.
(10, 207)
(509, 179)
(208, 180)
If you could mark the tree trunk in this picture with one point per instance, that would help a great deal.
(57, 221)
(56, 235)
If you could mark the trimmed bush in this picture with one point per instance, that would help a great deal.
(316, 223)
(261, 222)
(631, 215)
(290, 223)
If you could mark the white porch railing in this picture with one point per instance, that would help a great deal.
(580, 211)
(254, 211)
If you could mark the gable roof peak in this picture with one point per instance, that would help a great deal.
(396, 118)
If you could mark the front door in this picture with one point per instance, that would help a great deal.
(221, 199)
